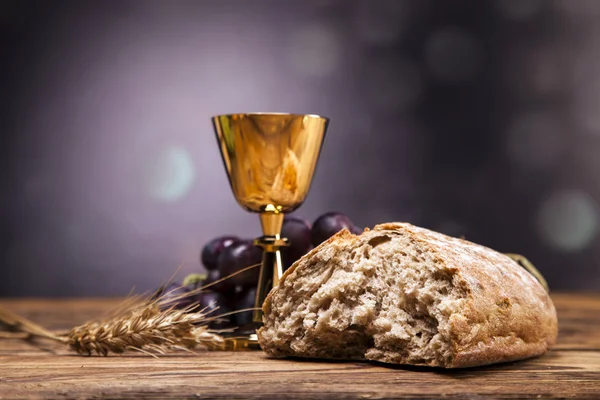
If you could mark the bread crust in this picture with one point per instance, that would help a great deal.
(507, 314)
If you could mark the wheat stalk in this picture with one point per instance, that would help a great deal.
(149, 326)
(146, 329)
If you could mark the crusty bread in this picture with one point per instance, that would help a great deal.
(406, 295)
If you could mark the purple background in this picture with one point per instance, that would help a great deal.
(475, 118)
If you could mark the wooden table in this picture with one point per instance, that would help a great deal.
(28, 371)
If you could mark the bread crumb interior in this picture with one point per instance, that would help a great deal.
(379, 297)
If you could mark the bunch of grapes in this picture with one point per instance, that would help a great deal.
(226, 255)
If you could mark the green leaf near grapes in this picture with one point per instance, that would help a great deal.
(194, 279)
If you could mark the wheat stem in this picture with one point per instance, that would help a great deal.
(138, 324)
(24, 325)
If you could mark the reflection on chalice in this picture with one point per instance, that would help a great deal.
(270, 159)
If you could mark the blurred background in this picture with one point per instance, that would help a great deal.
(474, 118)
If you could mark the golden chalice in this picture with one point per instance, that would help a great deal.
(270, 159)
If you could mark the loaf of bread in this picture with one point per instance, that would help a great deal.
(407, 295)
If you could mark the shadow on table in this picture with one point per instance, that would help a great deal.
(458, 373)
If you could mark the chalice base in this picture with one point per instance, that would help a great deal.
(245, 338)
(239, 342)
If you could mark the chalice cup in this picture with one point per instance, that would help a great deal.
(270, 160)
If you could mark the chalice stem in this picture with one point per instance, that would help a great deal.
(271, 220)
(270, 272)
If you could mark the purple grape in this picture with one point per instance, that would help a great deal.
(298, 231)
(238, 256)
(244, 300)
(173, 296)
(222, 287)
(213, 304)
(329, 224)
(211, 251)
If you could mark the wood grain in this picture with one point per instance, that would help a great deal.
(44, 370)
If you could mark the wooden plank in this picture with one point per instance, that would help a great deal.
(48, 370)
(578, 321)
(252, 375)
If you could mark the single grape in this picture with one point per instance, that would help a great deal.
(173, 296)
(237, 256)
(212, 304)
(329, 224)
(298, 232)
(224, 287)
(231, 296)
(211, 251)
(244, 300)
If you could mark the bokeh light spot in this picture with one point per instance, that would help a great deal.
(568, 220)
(453, 55)
(171, 175)
(535, 141)
(314, 51)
